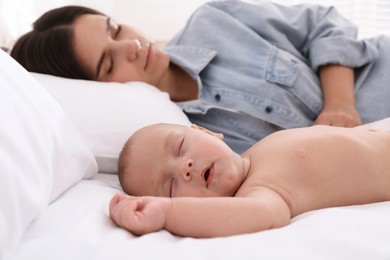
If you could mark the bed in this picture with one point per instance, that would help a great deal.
(60, 140)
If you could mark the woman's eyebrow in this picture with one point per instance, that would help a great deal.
(100, 62)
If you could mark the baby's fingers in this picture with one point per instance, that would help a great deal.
(116, 199)
(123, 210)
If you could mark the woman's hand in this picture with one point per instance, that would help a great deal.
(339, 97)
(139, 215)
(339, 116)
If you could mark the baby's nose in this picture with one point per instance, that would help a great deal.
(187, 168)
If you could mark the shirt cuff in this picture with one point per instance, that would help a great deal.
(343, 51)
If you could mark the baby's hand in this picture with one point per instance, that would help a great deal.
(139, 215)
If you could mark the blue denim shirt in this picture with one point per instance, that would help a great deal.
(256, 67)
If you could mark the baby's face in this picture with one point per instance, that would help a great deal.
(177, 161)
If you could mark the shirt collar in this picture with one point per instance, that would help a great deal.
(192, 59)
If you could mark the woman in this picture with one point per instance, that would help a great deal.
(240, 69)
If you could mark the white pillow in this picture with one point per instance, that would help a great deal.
(6, 38)
(41, 153)
(108, 113)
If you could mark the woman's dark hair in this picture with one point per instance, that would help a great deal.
(48, 48)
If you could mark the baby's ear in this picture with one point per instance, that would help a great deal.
(218, 135)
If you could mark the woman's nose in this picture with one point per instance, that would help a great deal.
(186, 169)
(129, 48)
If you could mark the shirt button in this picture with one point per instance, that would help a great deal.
(268, 109)
(217, 97)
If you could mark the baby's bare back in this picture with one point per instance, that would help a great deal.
(321, 166)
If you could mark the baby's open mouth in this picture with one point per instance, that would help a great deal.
(207, 174)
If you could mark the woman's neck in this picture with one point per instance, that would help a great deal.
(179, 85)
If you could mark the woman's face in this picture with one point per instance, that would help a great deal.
(112, 52)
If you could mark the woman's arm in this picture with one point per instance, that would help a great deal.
(318, 34)
(200, 217)
(339, 97)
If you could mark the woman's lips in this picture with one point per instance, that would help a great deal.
(148, 56)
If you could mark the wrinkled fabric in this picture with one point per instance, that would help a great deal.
(256, 67)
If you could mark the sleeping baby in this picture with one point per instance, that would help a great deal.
(186, 180)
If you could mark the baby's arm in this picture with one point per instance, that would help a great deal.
(200, 217)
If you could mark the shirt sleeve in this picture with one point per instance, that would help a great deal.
(319, 34)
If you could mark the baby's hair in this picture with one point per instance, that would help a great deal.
(123, 163)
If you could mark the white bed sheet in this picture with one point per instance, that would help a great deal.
(76, 226)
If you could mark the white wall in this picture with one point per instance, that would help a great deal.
(159, 18)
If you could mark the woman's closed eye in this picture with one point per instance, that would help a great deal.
(118, 30)
(114, 28)
(115, 31)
